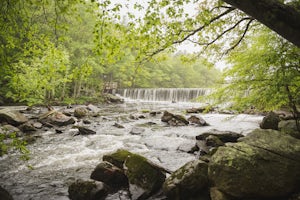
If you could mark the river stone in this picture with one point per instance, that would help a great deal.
(188, 181)
(85, 131)
(224, 136)
(110, 98)
(117, 158)
(37, 125)
(87, 190)
(9, 129)
(174, 120)
(110, 175)
(12, 117)
(265, 164)
(213, 141)
(93, 108)
(270, 121)
(289, 127)
(80, 112)
(4, 195)
(197, 120)
(196, 110)
(56, 118)
(144, 177)
(27, 127)
(117, 125)
(137, 131)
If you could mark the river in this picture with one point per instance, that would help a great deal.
(59, 159)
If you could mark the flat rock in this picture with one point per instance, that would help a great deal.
(12, 117)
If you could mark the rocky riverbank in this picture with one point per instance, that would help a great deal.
(222, 165)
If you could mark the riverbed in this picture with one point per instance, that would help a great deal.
(56, 160)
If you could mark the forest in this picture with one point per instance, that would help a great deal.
(52, 51)
(61, 137)
(64, 52)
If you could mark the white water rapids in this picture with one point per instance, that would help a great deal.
(59, 159)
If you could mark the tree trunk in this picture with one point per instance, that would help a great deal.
(281, 18)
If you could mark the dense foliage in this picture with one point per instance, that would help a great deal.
(54, 51)
(265, 73)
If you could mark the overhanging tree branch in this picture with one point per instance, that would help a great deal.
(250, 19)
(242, 37)
(281, 18)
(192, 32)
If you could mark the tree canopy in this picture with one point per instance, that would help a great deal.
(57, 50)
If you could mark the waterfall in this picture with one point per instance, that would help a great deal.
(163, 94)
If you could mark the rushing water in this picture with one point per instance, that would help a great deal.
(163, 94)
(59, 159)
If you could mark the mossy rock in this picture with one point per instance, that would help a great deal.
(263, 165)
(144, 175)
(289, 127)
(80, 112)
(4, 195)
(117, 158)
(270, 121)
(188, 181)
(87, 190)
(110, 175)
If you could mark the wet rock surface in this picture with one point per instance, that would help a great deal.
(58, 160)
(110, 175)
(4, 195)
(87, 190)
(264, 165)
(12, 117)
(289, 127)
(85, 131)
(188, 181)
(173, 119)
(270, 121)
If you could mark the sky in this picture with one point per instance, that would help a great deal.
(128, 6)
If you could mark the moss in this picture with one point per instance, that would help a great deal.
(87, 189)
(190, 180)
(143, 173)
(145, 111)
(118, 158)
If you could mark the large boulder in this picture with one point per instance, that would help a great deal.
(270, 121)
(4, 195)
(207, 141)
(263, 165)
(188, 181)
(110, 175)
(174, 120)
(289, 127)
(117, 158)
(87, 190)
(145, 178)
(12, 117)
(56, 118)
